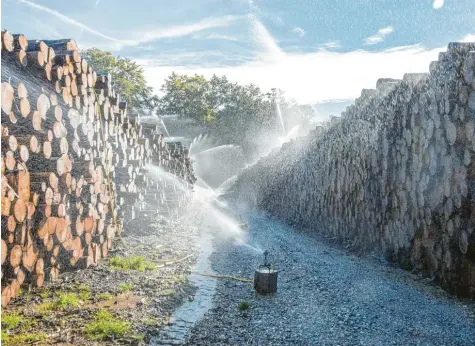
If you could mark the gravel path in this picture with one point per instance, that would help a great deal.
(325, 297)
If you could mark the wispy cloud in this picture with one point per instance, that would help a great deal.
(438, 4)
(379, 36)
(214, 36)
(299, 31)
(332, 44)
(187, 29)
(146, 36)
(68, 20)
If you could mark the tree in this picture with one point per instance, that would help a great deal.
(127, 77)
(238, 114)
(186, 97)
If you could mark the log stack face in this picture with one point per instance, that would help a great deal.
(73, 162)
(396, 174)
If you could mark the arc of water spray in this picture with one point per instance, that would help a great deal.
(279, 112)
(221, 147)
(165, 127)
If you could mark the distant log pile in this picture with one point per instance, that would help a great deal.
(72, 161)
(396, 174)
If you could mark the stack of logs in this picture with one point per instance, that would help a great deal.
(73, 161)
(396, 173)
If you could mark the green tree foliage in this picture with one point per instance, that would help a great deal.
(127, 77)
(235, 113)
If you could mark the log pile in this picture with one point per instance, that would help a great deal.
(73, 161)
(395, 175)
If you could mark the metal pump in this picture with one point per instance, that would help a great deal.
(265, 277)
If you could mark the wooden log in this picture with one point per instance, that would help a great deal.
(7, 97)
(7, 41)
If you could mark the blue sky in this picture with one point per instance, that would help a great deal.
(315, 50)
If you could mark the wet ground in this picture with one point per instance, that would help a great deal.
(145, 299)
(326, 296)
(192, 310)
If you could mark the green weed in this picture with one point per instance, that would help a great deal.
(66, 300)
(243, 306)
(131, 263)
(105, 326)
(104, 296)
(123, 287)
(10, 321)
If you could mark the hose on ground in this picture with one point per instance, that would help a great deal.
(224, 277)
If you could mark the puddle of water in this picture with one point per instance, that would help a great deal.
(192, 311)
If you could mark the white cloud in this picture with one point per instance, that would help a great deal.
(332, 44)
(317, 76)
(308, 77)
(438, 4)
(379, 36)
(468, 38)
(146, 36)
(299, 31)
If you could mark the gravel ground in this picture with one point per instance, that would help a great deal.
(326, 296)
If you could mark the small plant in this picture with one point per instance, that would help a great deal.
(44, 294)
(84, 295)
(67, 300)
(83, 287)
(124, 287)
(45, 307)
(23, 339)
(131, 263)
(104, 296)
(105, 326)
(10, 321)
(84, 292)
(243, 306)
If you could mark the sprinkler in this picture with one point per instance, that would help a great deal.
(265, 277)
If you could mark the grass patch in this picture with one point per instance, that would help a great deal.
(22, 339)
(123, 287)
(243, 306)
(67, 300)
(45, 307)
(45, 294)
(10, 321)
(105, 326)
(104, 296)
(84, 292)
(84, 295)
(131, 263)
